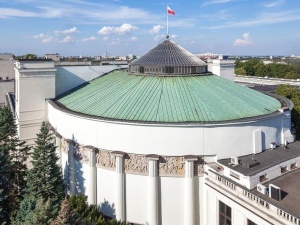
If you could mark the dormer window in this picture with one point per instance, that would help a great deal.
(283, 169)
(294, 166)
(263, 178)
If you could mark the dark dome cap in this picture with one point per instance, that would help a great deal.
(168, 58)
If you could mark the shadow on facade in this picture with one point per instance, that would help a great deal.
(108, 209)
(80, 189)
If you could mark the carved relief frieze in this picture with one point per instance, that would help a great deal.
(80, 153)
(173, 165)
(105, 159)
(199, 167)
(64, 146)
(136, 164)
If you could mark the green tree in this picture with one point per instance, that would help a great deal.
(66, 216)
(90, 214)
(293, 94)
(240, 71)
(17, 152)
(45, 178)
(34, 212)
(4, 187)
(251, 66)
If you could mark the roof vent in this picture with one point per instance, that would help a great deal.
(249, 163)
(274, 192)
(273, 145)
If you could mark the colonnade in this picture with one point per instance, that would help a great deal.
(119, 187)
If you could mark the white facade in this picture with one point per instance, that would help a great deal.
(222, 68)
(138, 138)
(147, 196)
(143, 173)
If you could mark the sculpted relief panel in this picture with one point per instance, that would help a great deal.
(171, 166)
(105, 158)
(80, 153)
(64, 146)
(133, 163)
(136, 164)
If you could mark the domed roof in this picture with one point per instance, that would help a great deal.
(155, 99)
(168, 53)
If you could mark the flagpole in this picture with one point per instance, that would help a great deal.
(167, 23)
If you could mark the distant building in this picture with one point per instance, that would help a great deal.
(54, 57)
(7, 75)
(7, 67)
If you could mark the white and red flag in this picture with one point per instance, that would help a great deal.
(170, 11)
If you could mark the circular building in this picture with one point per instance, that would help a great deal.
(136, 142)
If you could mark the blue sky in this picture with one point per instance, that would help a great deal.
(80, 27)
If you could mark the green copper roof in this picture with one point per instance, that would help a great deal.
(210, 98)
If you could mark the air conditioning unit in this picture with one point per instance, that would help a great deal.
(234, 161)
(261, 188)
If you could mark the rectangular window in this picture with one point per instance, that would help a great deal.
(283, 169)
(250, 222)
(293, 166)
(224, 214)
(263, 178)
(235, 175)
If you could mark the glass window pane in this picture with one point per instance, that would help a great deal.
(222, 220)
(222, 207)
(228, 211)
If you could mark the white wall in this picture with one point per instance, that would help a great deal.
(33, 85)
(68, 77)
(240, 213)
(224, 140)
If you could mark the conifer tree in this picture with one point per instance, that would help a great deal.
(4, 188)
(45, 178)
(17, 152)
(67, 216)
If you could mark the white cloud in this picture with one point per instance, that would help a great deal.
(155, 29)
(243, 42)
(159, 37)
(89, 39)
(273, 3)
(133, 38)
(48, 39)
(105, 38)
(106, 30)
(68, 31)
(263, 19)
(124, 29)
(37, 36)
(214, 2)
(173, 36)
(115, 41)
(67, 39)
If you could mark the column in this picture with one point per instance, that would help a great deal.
(119, 186)
(153, 189)
(72, 169)
(58, 148)
(189, 205)
(92, 191)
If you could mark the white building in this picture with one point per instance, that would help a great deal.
(164, 142)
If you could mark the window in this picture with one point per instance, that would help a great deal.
(263, 178)
(293, 166)
(283, 169)
(250, 222)
(235, 175)
(224, 214)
